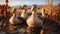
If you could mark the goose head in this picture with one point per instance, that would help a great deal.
(33, 9)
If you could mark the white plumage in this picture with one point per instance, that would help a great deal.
(14, 19)
(25, 15)
(34, 21)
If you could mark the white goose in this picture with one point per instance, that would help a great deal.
(24, 14)
(33, 20)
(14, 19)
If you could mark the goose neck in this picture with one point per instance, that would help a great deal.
(33, 12)
(24, 11)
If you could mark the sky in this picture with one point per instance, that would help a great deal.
(28, 2)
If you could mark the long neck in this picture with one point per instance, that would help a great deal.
(24, 11)
(33, 13)
(14, 14)
(43, 13)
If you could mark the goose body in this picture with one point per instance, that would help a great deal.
(34, 21)
(14, 19)
(25, 15)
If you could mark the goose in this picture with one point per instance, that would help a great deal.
(15, 19)
(25, 14)
(33, 20)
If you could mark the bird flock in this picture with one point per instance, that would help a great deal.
(31, 19)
